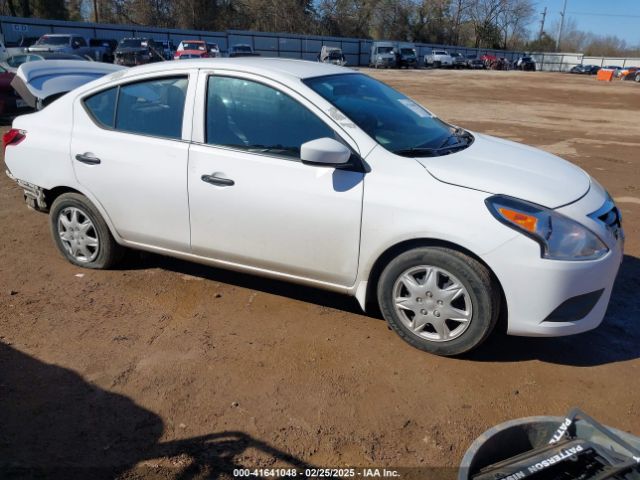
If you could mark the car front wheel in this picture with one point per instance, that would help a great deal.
(81, 234)
(439, 300)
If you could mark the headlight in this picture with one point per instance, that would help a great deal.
(560, 238)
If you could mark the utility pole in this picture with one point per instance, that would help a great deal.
(544, 15)
(562, 14)
(96, 17)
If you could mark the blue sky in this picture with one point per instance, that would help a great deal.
(602, 17)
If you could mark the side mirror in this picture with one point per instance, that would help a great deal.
(324, 152)
(75, 44)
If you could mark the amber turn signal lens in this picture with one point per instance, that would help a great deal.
(528, 222)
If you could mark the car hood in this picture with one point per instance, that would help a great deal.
(191, 52)
(132, 50)
(494, 165)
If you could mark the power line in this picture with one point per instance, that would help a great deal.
(605, 14)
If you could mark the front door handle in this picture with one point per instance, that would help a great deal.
(215, 180)
(87, 158)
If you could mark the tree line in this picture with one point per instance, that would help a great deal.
(500, 24)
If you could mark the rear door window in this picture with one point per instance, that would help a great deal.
(151, 107)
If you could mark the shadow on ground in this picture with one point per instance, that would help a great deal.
(53, 424)
(616, 340)
(143, 260)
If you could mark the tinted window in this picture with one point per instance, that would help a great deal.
(80, 41)
(131, 43)
(258, 118)
(47, 40)
(152, 107)
(103, 106)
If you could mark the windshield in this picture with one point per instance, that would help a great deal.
(47, 40)
(440, 52)
(242, 48)
(407, 51)
(192, 46)
(132, 43)
(396, 122)
(383, 50)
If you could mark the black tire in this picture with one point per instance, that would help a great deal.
(108, 251)
(474, 277)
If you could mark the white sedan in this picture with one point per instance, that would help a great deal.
(320, 175)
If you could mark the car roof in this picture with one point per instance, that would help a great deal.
(277, 68)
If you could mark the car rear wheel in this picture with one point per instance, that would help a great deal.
(81, 234)
(439, 300)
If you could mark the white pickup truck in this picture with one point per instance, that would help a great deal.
(438, 58)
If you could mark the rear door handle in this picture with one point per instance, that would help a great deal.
(87, 158)
(215, 180)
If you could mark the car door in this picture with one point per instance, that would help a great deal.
(129, 152)
(252, 201)
(83, 48)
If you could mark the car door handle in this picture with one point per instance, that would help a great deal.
(87, 158)
(215, 180)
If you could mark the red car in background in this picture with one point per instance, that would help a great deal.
(191, 49)
(10, 102)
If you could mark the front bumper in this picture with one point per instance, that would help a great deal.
(541, 294)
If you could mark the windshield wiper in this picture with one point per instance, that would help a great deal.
(457, 133)
(429, 152)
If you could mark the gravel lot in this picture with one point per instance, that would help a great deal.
(165, 369)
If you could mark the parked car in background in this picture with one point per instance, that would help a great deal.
(62, 43)
(383, 55)
(272, 143)
(242, 50)
(10, 101)
(137, 51)
(12, 63)
(332, 55)
(628, 73)
(406, 55)
(475, 64)
(438, 58)
(103, 49)
(191, 49)
(16, 48)
(585, 69)
(616, 69)
(214, 50)
(459, 60)
(167, 48)
(525, 63)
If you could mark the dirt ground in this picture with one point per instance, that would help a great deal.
(165, 369)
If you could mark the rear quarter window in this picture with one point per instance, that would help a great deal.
(102, 106)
